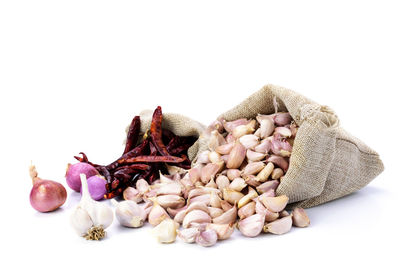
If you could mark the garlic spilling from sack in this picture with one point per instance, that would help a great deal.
(129, 213)
(166, 231)
(91, 217)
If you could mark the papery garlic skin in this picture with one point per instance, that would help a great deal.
(90, 217)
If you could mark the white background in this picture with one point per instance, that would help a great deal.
(74, 73)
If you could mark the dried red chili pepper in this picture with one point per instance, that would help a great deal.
(134, 167)
(178, 150)
(156, 132)
(166, 159)
(85, 159)
(113, 194)
(167, 135)
(153, 149)
(133, 134)
(137, 151)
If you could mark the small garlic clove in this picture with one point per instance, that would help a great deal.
(283, 131)
(247, 210)
(174, 212)
(264, 147)
(271, 216)
(207, 238)
(202, 158)
(215, 212)
(279, 161)
(222, 182)
(209, 171)
(172, 170)
(188, 235)
(165, 232)
(249, 141)
(203, 199)
(171, 201)
(274, 204)
(142, 186)
(212, 183)
(225, 206)
(180, 216)
(131, 193)
(230, 139)
(300, 218)
(215, 200)
(231, 125)
(164, 179)
(214, 157)
(233, 173)
(157, 214)
(266, 126)
(282, 118)
(237, 184)
(254, 156)
(195, 174)
(263, 175)
(251, 180)
(283, 213)
(280, 226)
(277, 173)
(174, 188)
(269, 193)
(215, 125)
(216, 139)
(129, 213)
(253, 168)
(227, 217)
(224, 149)
(224, 231)
(197, 206)
(232, 196)
(247, 198)
(241, 130)
(195, 216)
(251, 226)
(236, 156)
(264, 187)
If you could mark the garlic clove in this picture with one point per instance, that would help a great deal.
(212, 183)
(253, 168)
(214, 157)
(254, 156)
(216, 139)
(174, 188)
(188, 235)
(271, 216)
(283, 131)
(274, 204)
(283, 213)
(236, 156)
(174, 212)
(197, 206)
(202, 158)
(264, 147)
(195, 174)
(251, 226)
(142, 186)
(215, 200)
(215, 212)
(263, 175)
(279, 161)
(249, 141)
(171, 201)
(227, 217)
(224, 149)
(131, 193)
(157, 214)
(172, 170)
(129, 213)
(231, 125)
(209, 171)
(251, 180)
(180, 216)
(195, 216)
(277, 173)
(300, 218)
(269, 193)
(80, 221)
(282, 118)
(237, 184)
(264, 187)
(225, 206)
(232, 196)
(207, 238)
(224, 231)
(247, 198)
(203, 199)
(222, 182)
(230, 139)
(247, 210)
(164, 179)
(233, 173)
(280, 226)
(241, 130)
(165, 232)
(266, 126)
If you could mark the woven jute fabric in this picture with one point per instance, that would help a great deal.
(326, 162)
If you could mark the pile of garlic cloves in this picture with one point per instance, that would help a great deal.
(231, 185)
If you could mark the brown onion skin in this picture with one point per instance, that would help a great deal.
(47, 195)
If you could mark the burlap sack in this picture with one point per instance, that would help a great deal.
(326, 163)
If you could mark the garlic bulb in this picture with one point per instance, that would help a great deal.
(129, 213)
(90, 217)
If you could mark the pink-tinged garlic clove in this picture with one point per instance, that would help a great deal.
(271, 216)
(227, 217)
(197, 206)
(282, 118)
(277, 173)
(225, 206)
(249, 141)
(241, 130)
(207, 238)
(253, 156)
(253, 168)
(251, 226)
(195, 174)
(233, 173)
(209, 171)
(238, 184)
(157, 214)
(224, 149)
(215, 200)
(188, 235)
(231, 125)
(236, 156)
(222, 182)
(247, 210)
(263, 175)
(247, 198)
(269, 193)
(224, 231)
(216, 139)
(174, 188)
(230, 139)
(283, 213)
(300, 218)
(274, 204)
(203, 199)
(251, 180)
(180, 216)
(211, 184)
(142, 186)
(267, 127)
(215, 125)
(214, 157)
(131, 193)
(174, 212)
(280, 226)
(196, 216)
(202, 158)
(264, 187)
(215, 212)
(264, 147)
(283, 131)
(232, 196)
(171, 201)
(279, 161)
